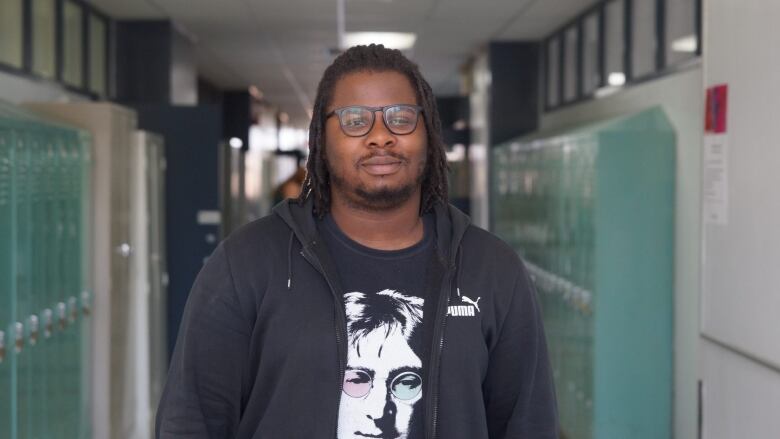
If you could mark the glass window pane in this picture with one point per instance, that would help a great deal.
(570, 66)
(643, 38)
(590, 58)
(97, 55)
(553, 72)
(681, 40)
(43, 38)
(73, 44)
(11, 32)
(615, 43)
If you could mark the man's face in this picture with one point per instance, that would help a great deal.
(380, 170)
(382, 405)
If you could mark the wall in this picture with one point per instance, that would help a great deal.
(740, 329)
(680, 96)
(16, 89)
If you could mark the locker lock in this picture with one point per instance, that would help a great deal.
(33, 323)
(47, 323)
(124, 249)
(73, 307)
(62, 315)
(19, 337)
(85, 309)
(2, 346)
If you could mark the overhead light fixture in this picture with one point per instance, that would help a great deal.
(391, 40)
(616, 79)
(687, 44)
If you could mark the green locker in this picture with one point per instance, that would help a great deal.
(7, 281)
(591, 212)
(44, 177)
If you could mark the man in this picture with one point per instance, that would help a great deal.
(368, 307)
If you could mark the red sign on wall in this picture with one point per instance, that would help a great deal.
(715, 113)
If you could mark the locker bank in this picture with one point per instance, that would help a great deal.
(624, 149)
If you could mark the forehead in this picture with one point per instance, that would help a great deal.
(374, 89)
(395, 352)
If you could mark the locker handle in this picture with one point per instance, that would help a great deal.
(124, 249)
(33, 322)
(2, 346)
(85, 308)
(62, 315)
(47, 323)
(19, 339)
(73, 307)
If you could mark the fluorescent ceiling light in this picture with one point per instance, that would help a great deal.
(616, 79)
(392, 40)
(685, 44)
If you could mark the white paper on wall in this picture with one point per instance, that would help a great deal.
(716, 179)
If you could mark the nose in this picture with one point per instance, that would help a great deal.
(380, 136)
(379, 405)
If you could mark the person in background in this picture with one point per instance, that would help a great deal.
(368, 307)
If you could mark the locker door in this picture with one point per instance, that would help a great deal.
(7, 282)
(157, 269)
(27, 228)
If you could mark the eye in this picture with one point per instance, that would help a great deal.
(406, 386)
(401, 115)
(354, 118)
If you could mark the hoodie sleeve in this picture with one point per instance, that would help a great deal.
(206, 380)
(519, 393)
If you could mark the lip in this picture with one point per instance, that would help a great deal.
(360, 433)
(381, 165)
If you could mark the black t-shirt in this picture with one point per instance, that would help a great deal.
(385, 294)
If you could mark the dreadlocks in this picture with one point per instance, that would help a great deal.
(374, 58)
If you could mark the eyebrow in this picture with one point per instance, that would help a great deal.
(364, 369)
(399, 370)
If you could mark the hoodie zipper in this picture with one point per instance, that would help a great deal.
(438, 347)
(340, 323)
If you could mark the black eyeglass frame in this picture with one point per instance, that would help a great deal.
(373, 110)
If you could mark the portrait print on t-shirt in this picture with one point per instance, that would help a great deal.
(383, 379)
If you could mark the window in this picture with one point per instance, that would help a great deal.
(619, 42)
(615, 47)
(73, 44)
(643, 38)
(591, 71)
(553, 72)
(43, 38)
(11, 33)
(570, 67)
(681, 33)
(97, 55)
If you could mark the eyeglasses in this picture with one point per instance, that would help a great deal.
(358, 120)
(357, 384)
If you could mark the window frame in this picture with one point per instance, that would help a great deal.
(662, 66)
(87, 11)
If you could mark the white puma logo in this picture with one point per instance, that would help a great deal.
(469, 301)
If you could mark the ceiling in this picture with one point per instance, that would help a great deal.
(283, 46)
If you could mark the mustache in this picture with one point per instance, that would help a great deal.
(393, 154)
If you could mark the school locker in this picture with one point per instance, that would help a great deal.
(112, 128)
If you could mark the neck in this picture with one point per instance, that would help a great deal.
(391, 229)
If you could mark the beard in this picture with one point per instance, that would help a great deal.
(380, 199)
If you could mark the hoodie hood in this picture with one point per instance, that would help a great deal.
(451, 225)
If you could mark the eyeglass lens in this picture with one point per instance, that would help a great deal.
(399, 119)
(358, 383)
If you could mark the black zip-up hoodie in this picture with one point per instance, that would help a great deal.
(261, 350)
